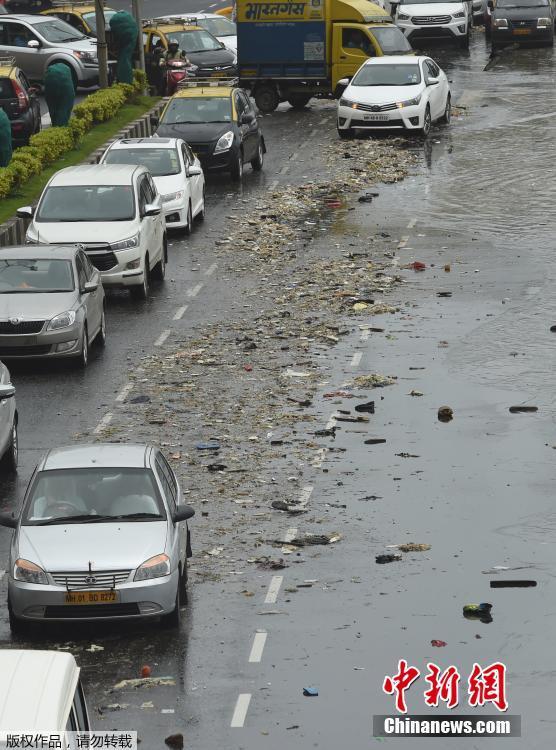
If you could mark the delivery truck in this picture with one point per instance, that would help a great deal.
(292, 51)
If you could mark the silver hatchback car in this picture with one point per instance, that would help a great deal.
(8, 422)
(51, 303)
(100, 537)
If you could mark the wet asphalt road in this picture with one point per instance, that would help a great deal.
(478, 491)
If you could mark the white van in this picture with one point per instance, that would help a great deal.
(40, 691)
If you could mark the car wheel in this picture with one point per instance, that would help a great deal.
(101, 335)
(266, 98)
(159, 271)
(237, 169)
(173, 619)
(298, 101)
(464, 41)
(202, 212)
(10, 457)
(426, 129)
(82, 360)
(346, 134)
(141, 291)
(487, 32)
(188, 228)
(447, 116)
(257, 162)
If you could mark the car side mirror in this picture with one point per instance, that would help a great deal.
(432, 81)
(89, 287)
(33, 44)
(7, 391)
(152, 209)
(25, 212)
(9, 521)
(194, 171)
(183, 513)
(343, 82)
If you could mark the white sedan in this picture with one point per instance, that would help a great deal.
(176, 171)
(398, 92)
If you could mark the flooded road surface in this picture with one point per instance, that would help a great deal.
(477, 489)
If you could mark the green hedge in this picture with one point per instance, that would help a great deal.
(49, 145)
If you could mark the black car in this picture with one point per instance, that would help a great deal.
(521, 21)
(220, 124)
(19, 101)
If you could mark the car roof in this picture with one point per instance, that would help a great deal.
(106, 455)
(397, 59)
(168, 28)
(204, 90)
(36, 689)
(27, 17)
(72, 7)
(34, 252)
(96, 174)
(163, 143)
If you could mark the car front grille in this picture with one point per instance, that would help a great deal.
(376, 107)
(105, 579)
(23, 351)
(71, 611)
(430, 20)
(201, 149)
(7, 328)
(526, 24)
(102, 261)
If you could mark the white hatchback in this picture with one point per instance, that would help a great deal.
(176, 171)
(400, 92)
(224, 29)
(115, 212)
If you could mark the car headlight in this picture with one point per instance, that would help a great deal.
(409, 102)
(154, 567)
(459, 14)
(172, 196)
(63, 320)
(225, 141)
(126, 244)
(28, 572)
(403, 17)
(87, 57)
(345, 103)
(544, 22)
(500, 23)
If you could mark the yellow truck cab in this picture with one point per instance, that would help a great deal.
(80, 15)
(292, 51)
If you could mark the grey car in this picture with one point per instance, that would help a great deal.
(37, 42)
(101, 536)
(8, 422)
(51, 303)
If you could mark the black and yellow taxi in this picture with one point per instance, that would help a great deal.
(208, 58)
(19, 101)
(80, 15)
(220, 124)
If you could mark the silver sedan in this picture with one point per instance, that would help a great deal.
(51, 303)
(8, 422)
(100, 537)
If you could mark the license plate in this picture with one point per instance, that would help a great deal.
(218, 75)
(91, 597)
(521, 32)
(376, 118)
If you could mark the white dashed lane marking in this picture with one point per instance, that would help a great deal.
(103, 424)
(162, 338)
(273, 589)
(258, 647)
(290, 534)
(365, 334)
(240, 711)
(356, 359)
(211, 269)
(180, 312)
(124, 393)
(332, 421)
(194, 291)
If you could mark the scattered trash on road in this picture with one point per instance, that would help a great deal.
(480, 612)
(144, 682)
(375, 441)
(212, 445)
(415, 393)
(374, 380)
(524, 409)
(438, 644)
(175, 741)
(310, 691)
(93, 648)
(445, 414)
(512, 584)
(413, 547)
(368, 407)
(146, 671)
(382, 559)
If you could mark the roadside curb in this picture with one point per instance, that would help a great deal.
(12, 232)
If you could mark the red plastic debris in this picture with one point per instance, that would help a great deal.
(146, 671)
(418, 266)
(438, 644)
(248, 368)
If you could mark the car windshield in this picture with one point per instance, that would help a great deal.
(218, 26)
(21, 276)
(159, 161)
(87, 203)
(198, 109)
(91, 19)
(57, 31)
(391, 74)
(521, 3)
(391, 39)
(93, 496)
(195, 41)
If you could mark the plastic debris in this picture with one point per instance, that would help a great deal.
(338, 394)
(445, 414)
(375, 441)
(175, 741)
(267, 563)
(93, 648)
(310, 539)
(438, 644)
(146, 671)
(388, 558)
(480, 612)
(144, 682)
(512, 584)
(414, 547)
(310, 691)
(374, 380)
(415, 393)
(524, 409)
(368, 407)
(212, 445)
(444, 294)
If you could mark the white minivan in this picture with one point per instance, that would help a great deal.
(40, 691)
(115, 212)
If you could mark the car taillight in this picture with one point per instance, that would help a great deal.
(22, 97)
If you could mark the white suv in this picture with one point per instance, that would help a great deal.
(435, 19)
(176, 172)
(115, 212)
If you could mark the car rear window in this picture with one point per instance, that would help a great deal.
(159, 161)
(6, 89)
